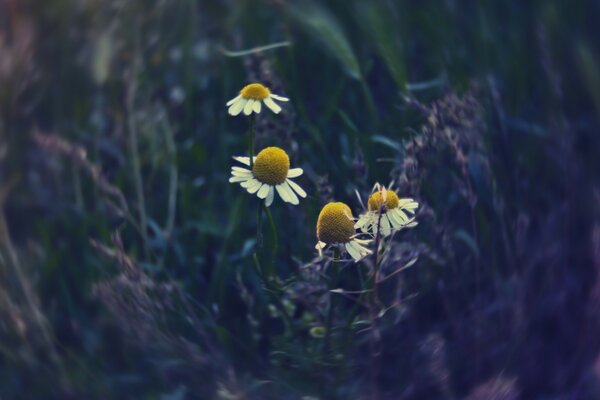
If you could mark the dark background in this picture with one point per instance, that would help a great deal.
(126, 265)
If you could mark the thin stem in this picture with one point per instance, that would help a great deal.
(273, 291)
(375, 297)
(251, 140)
(133, 148)
(335, 266)
(259, 236)
(374, 301)
(275, 238)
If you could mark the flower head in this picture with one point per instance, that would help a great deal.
(388, 210)
(251, 98)
(270, 172)
(335, 226)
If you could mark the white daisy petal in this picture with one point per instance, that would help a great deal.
(243, 160)
(402, 216)
(408, 205)
(363, 242)
(240, 170)
(403, 202)
(270, 196)
(354, 253)
(248, 183)
(280, 98)
(253, 186)
(282, 193)
(363, 250)
(320, 246)
(271, 104)
(237, 106)
(362, 220)
(230, 102)
(234, 179)
(385, 226)
(242, 174)
(248, 107)
(295, 172)
(290, 193)
(263, 191)
(296, 187)
(395, 220)
(257, 107)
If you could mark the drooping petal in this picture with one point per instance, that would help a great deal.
(230, 102)
(402, 216)
(257, 107)
(320, 246)
(280, 98)
(263, 191)
(386, 230)
(363, 242)
(270, 196)
(248, 107)
(249, 182)
(395, 220)
(254, 186)
(293, 199)
(237, 107)
(408, 204)
(282, 193)
(363, 250)
(295, 172)
(362, 220)
(271, 104)
(296, 187)
(354, 253)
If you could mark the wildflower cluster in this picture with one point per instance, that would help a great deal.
(270, 172)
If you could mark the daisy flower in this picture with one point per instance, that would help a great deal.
(251, 98)
(269, 172)
(393, 211)
(335, 226)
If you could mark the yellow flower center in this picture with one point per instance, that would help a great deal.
(334, 224)
(376, 201)
(255, 91)
(271, 166)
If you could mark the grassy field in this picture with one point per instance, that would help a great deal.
(131, 268)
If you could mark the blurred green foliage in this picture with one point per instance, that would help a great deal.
(486, 112)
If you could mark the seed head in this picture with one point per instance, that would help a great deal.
(255, 91)
(271, 166)
(376, 200)
(335, 224)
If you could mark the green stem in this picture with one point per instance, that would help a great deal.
(274, 231)
(273, 291)
(259, 236)
(251, 140)
(332, 285)
(374, 342)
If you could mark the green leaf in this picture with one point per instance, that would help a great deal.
(387, 141)
(322, 25)
(381, 29)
